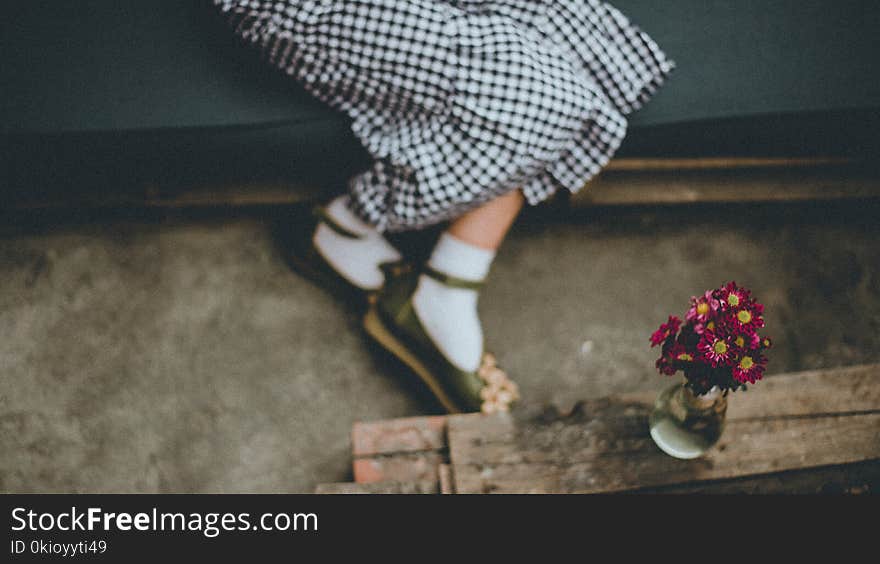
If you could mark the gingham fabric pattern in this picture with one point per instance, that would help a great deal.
(460, 101)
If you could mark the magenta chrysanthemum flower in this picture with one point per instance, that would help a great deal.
(732, 296)
(683, 356)
(679, 353)
(700, 328)
(749, 368)
(702, 309)
(715, 349)
(667, 330)
(747, 341)
(664, 366)
(718, 343)
(746, 318)
(674, 357)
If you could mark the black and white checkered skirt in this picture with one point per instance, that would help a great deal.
(460, 101)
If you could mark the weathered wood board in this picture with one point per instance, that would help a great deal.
(856, 478)
(642, 181)
(787, 422)
(664, 183)
(807, 432)
(837, 390)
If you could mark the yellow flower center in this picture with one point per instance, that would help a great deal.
(685, 357)
(733, 300)
(766, 343)
(746, 362)
(703, 308)
(740, 342)
(744, 316)
(710, 326)
(720, 347)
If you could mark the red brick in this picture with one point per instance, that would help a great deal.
(409, 467)
(412, 434)
(381, 488)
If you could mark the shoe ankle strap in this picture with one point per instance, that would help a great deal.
(452, 281)
(322, 216)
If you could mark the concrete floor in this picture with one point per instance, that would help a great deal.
(178, 354)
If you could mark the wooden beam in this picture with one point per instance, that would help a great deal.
(675, 186)
(619, 455)
(857, 478)
(796, 421)
(850, 389)
(624, 182)
(723, 163)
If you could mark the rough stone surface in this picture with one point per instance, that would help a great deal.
(178, 354)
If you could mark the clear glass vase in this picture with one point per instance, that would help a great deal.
(685, 425)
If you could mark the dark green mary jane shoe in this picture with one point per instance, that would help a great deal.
(393, 322)
(294, 237)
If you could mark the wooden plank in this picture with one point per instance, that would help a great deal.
(602, 433)
(404, 467)
(838, 390)
(601, 454)
(857, 478)
(670, 186)
(154, 196)
(411, 434)
(786, 422)
(834, 390)
(641, 181)
(380, 488)
(725, 163)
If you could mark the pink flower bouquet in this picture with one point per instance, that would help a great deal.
(718, 344)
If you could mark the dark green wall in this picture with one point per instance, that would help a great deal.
(136, 64)
(104, 95)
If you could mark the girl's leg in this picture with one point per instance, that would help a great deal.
(465, 251)
(356, 259)
(486, 226)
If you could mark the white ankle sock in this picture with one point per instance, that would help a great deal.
(449, 315)
(357, 260)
